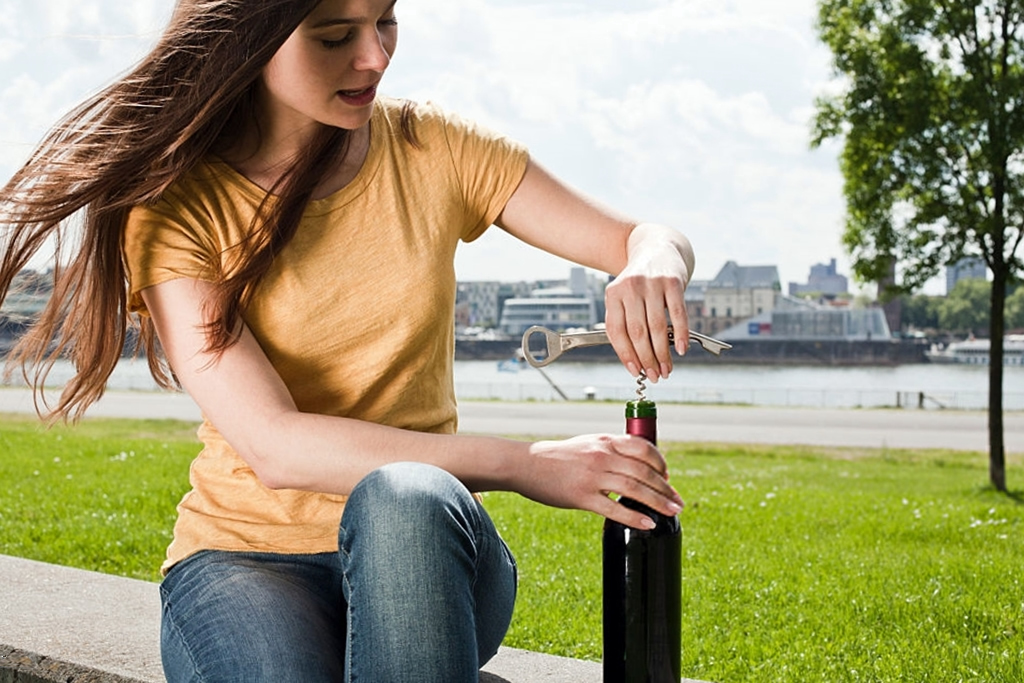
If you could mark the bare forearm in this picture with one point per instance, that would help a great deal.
(321, 453)
(331, 455)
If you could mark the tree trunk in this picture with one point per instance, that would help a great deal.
(996, 449)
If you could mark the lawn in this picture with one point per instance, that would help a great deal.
(799, 564)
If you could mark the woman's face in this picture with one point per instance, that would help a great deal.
(328, 70)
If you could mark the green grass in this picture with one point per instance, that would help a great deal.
(800, 564)
(98, 496)
(806, 565)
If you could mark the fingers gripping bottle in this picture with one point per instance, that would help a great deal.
(642, 619)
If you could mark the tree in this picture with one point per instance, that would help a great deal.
(965, 310)
(1015, 309)
(921, 312)
(931, 117)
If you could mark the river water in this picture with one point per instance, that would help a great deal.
(919, 385)
(924, 385)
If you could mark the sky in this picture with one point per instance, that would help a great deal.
(691, 113)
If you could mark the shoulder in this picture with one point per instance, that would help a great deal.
(210, 183)
(396, 110)
(428, 123)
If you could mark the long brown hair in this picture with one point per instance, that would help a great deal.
(124, 147)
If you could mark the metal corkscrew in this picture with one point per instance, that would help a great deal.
(556, 344)
(641, 386)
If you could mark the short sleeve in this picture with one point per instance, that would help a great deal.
(489, 166)
(160, 244)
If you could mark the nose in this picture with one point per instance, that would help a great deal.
(374, 53)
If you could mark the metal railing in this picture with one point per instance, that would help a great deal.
(805, 397)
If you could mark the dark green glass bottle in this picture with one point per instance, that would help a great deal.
(642, 619)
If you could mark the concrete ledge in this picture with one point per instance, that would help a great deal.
(59, 624)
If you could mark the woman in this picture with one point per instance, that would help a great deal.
(287, 236)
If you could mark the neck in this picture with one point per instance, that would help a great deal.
(263, 155)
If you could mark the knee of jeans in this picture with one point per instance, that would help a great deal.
(407, 495)
(407, 483)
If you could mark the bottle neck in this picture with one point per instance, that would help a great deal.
(645, 427)
(642, 420)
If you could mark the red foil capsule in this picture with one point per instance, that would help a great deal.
(642, 420)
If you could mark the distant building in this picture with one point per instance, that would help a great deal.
(696, 291)
(970, 268)
(831, 323)
(479, 304)
(557, 308)
(737, 293)
(892, 306)
(823, 279)
(794, 318)
(511, 307)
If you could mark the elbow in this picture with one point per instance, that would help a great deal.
(267, 470)
(272, 459)
(264, 457)
(270, 475)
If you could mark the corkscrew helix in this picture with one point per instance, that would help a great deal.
(641, 386)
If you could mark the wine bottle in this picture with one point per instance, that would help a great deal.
(642, 619)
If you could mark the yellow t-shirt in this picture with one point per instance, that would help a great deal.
(356, 314)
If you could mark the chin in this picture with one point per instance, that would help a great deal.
(352, 120)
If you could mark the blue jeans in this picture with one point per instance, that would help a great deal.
(422, 589)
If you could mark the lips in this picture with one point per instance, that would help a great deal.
(359, 98)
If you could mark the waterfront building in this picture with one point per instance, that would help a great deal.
(738, 293)
(850, 324)
(482, 304)
(479, 303)
(824, 280)
(696, 291)
(557, 308)
(800, 319)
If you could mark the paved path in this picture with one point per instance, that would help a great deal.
(892, 428)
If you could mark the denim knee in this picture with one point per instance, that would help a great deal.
(429, 583)
(409, 489)
(404, 514)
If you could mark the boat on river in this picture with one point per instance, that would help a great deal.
(976, 351)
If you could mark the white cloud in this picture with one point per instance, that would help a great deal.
(54, 53)
(694, 113)
(690, 112)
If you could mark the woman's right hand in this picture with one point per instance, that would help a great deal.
(582, 472)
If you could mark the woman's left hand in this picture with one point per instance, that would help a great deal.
(651, 285)
(652, 263)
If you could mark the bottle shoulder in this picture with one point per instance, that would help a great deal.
(664, 524)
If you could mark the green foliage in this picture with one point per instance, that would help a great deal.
(964, 310)
(967, 308)
(932, 122)
(921, 312)
(1015, 309)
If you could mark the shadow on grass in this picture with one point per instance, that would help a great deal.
(1017, 496)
